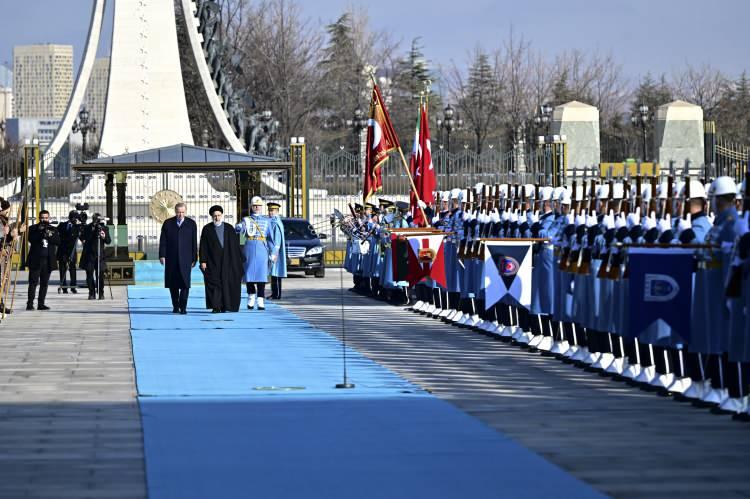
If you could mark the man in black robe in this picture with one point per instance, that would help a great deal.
(221, 263)
(178, 252)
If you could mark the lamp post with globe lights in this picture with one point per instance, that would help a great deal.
(641, 119)
(84, 124)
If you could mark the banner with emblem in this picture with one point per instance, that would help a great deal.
(507, 272)
(426, 258)
(661, 287)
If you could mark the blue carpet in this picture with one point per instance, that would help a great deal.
(245, 406)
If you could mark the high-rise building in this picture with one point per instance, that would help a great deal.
(96, 93)
(43, 80)
(6, 93)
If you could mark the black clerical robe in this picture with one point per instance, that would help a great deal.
(224, 263)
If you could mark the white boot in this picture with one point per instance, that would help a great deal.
(251, 301)
(261, 303)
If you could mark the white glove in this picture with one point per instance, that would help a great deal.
(435, 219)
(685, 223)
(495, 217)
(580, 220)
(634, 219)
(534, 217)
(650, 221)
(467, 216)
(514, 217)
(665, 224)
(609, 220)
(741, 226)
(711, 217)
(422, 204)
(570, 218)
(620, 221)
(591, 220)
(505, 216)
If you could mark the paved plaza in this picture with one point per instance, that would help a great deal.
(71, 421)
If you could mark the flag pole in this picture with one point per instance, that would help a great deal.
(405, 165)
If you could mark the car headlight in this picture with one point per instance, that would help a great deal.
(315, 250)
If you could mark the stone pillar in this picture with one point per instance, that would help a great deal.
(109, 188)
(579, 124)
(678, 135)
(121, 249)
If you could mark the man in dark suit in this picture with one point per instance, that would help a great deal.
(178, 252)
(69, 232)
(43, 239)
(95, 237)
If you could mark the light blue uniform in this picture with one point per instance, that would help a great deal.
(542, 280)
(278, 268)
(259, 246)
(710, 333)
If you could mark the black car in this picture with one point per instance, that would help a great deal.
(304, 250)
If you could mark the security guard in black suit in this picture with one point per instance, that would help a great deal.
(42, 260)
(69, 232)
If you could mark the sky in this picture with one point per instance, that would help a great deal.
(644, 36)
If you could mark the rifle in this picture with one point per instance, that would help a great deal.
(686, 199)
(565, 255)
(584, 255)
(652, 203)
(638, 193)
(606, 256)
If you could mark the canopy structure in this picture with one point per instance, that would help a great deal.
(182, 158)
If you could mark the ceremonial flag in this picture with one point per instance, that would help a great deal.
(507, 272)
(661, 287)
(424, 173)
(414, 161)
(381, 140)
(426, 258)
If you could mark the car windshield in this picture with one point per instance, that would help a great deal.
(299, 229)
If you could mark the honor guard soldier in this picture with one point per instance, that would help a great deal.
(278, 268)
(260, 250)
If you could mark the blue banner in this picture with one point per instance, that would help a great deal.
(661, 286)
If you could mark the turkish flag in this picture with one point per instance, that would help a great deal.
(423, 171)
(381, 140)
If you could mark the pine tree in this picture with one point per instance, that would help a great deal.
(480, 99)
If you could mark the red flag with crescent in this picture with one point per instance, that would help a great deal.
(381, 140)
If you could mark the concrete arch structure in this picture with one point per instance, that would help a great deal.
(82, 80)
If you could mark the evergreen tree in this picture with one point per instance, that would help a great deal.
(480, 99)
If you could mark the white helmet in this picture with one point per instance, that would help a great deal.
(530, 190)
(478, 187)
(256, 201)
(662, 190)
(723, 186)
(646, 192)
(602, 191)
(456, 194)
(579, 192)
(565, 197)
(503, 190)
(557, 192)
(464, 196)
(546, 193)
(618, 191)
(697, 191)
(445, 196)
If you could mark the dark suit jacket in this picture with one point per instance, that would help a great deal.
(36, 241)
(179, 246)
(89, 251)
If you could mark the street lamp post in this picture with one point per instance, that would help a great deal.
(449, 122)
(84, 125)
(544, 117)
(357, 123)
(641, 119)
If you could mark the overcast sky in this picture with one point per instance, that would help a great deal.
(656, 36)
